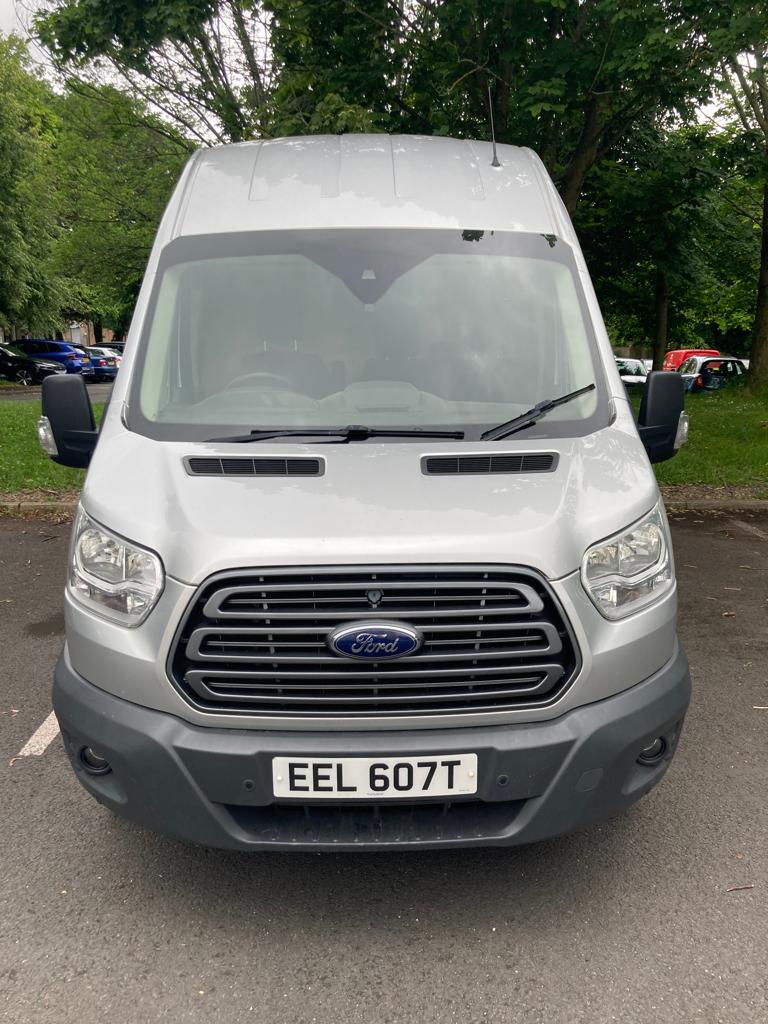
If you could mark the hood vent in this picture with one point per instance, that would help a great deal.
(264, 466)
(530, 462)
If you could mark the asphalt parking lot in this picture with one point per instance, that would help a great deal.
(661, 914)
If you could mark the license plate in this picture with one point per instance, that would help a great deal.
(374, 778)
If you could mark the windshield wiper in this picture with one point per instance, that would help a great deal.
(341, 435)
(527, 419)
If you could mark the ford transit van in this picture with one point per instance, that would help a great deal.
(370, 552)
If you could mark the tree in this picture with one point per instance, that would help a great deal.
(115, 167)
(27, 219)
(745, 78)
(662, 237)
(570, 77)
(599, 88)
(84, 177)
(200, 63)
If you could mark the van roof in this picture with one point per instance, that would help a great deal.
(354, 181)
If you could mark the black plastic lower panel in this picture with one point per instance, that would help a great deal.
(214, 786)
(376, 823)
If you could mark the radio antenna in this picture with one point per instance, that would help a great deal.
(495, 161)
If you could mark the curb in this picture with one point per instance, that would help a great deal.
(19, 507)
(718, 500)
(717, 504)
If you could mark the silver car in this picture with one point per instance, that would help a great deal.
(711, 373)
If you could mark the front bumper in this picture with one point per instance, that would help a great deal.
(214, 786)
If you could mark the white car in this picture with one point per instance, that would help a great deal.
(708, 373)
(632, 372)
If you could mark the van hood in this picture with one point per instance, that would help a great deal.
(373, 503)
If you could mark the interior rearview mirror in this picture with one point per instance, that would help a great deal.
(67, 429)
(662, 420)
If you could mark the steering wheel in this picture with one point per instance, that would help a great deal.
(271, 379)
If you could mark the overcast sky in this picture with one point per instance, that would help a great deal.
(7, 16)
(8, 21)
(15, 15)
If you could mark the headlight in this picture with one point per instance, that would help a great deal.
(115, 578)
(630, 570)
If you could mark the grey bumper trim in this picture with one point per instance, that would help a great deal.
(214, 786)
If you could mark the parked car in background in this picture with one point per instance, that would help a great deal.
(632, 372)
(104, 364)
(22, 369)
(87, 365)
(702, 373)
(674, 360)
(110, 352)
(72, 358)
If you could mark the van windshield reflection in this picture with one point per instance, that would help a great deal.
(443, 331)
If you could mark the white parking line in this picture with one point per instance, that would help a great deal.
(749, 528)
(40, 739)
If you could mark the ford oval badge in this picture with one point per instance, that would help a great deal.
(375, 641)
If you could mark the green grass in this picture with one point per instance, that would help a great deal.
(728, 447)
(23, 465)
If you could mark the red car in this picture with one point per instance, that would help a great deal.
(673, 359)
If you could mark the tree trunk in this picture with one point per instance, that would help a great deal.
(662, 317)
(98, 331)
(583, 156)
(758, 356)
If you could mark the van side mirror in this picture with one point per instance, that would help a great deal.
(67, 429)
(662, 420)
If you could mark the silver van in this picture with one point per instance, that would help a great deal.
(370, 552)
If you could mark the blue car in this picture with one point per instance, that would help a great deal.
(104, 364)
(72, 358)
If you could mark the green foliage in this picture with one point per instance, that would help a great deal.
(670, 201)
(23, 464)
(727, 446)
(27, 216)
(745, 80)
(88, 28)
(113, 176)
(343, 59)
(84, 178)
(608, 93)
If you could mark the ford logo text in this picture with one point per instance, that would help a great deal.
(375, 641)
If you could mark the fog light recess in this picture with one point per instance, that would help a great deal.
(654, 752)
(94, 763)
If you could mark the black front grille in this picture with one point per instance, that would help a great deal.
(256, 642)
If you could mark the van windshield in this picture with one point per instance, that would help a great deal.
(387, 328)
